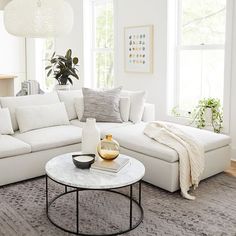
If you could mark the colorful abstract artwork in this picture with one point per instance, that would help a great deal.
(138, 49)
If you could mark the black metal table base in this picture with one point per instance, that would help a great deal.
(77, 191)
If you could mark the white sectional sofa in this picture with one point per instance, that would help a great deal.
(24, 155)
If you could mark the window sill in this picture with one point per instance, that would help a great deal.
(187, 121)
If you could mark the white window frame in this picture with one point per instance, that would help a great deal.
(173, 77)
(95, 50)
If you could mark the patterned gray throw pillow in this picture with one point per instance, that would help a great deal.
(102, 105)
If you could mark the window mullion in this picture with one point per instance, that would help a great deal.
(103, 49)
(93, 61)
(178, 42)
(203, 47)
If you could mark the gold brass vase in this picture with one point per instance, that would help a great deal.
(108, 148)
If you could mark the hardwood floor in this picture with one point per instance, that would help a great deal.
(232, 170)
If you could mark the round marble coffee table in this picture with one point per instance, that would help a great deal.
(62, 171)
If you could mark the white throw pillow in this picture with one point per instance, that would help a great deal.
(32, 100)
(79, 107)
(137, 101)
(68, 98)
(5, 122)
(36, 117)
(124, 108)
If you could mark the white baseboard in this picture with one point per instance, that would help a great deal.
(233, 153)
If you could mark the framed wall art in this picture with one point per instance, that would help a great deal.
(139, 49)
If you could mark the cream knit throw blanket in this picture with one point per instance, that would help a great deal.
(191, 153)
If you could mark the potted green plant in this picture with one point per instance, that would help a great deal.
(63, 68)
(208, 112)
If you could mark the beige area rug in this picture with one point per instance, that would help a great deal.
(213, 213)
(12, 223)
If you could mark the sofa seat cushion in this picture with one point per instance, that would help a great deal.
(103, 126)
(10, 146)
(52, 137)
(131, 137)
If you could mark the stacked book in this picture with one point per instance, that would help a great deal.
(110, 166)
(30, 87)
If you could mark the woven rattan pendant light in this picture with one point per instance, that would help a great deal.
(38, 18)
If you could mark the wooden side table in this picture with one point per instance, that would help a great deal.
(7, 85)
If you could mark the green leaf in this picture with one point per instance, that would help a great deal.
(54, 60)
(70, 80)
(73, 73)
(48, 67)
(69, 63)
(61, 64)
(62, 58)
(53, 55)
(58, 75)
(49, 73)
(68, 54)
(75, 60)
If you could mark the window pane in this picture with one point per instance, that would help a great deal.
(104, 69)
(203, 22)
(49, 48)
(44, 49)
(213, 74)
(201, 75)
(190, 79)
(103, 43)
(104, 25)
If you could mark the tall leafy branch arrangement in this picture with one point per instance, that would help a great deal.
(216, 114)
(63, 68)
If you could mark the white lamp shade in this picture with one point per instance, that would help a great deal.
(38, 18)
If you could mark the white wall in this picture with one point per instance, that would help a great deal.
(74, 40)
(143, 12)
(12, 55)
(233, 89)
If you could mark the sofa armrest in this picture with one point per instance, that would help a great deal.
(149, 112)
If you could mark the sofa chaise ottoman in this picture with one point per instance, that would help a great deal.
(24, 155)
(162, 162)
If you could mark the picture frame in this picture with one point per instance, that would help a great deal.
(138, 43)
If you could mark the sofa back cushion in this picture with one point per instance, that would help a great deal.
(79, 107)
(5, 122)
(137, 102)
(68, 98)
(13, 102)
(102, 105)
(37, 117)
(131, 104)
(124, 108)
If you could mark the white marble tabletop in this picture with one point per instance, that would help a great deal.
(62, 170)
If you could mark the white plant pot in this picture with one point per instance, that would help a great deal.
(62, 87)
(90, 137)
(208, 116)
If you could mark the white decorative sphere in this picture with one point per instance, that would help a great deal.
(38, 18)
